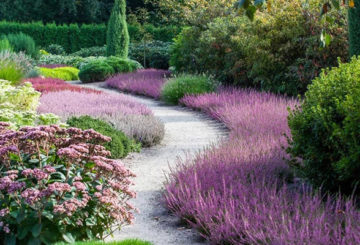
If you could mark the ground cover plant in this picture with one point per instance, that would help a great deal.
(63, 73)
(126, 115)
(46, 85)
(119, 146)
(57, 184)
(144, 82)
(242, 192)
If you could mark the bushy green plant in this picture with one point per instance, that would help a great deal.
(92, 51)
(119, 65)
(120, 145)
(117, 39)
(186, 84)
(56, 49)
(279, 51)
(74, 61)
(22, 61)
(63, 73)
(5, 45)
(154, 54)
(11, 72)
(325, 129)
(24, 43)
(95, 71)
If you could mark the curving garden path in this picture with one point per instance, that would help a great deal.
(186, 133)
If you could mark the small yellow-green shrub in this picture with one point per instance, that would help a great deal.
(63, 73)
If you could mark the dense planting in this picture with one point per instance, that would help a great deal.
(119, 146)
(242, 191)
(145, 82)
(46, 85)
(23, 43)
(58, 185)
(325, 130)
(95, 71)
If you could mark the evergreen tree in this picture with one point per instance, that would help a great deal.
(354, 28)
(117, 39)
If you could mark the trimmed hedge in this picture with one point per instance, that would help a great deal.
(119, 146)
(74, 37)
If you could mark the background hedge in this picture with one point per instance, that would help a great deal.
(73, 37)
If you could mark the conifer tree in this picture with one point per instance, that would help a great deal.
(117, 39)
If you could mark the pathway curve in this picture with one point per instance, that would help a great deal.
(186, 132)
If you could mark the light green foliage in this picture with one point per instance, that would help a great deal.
(24, 43)
(22, 61)
(11, 72)
(5, 45)
(176, 88)
(325, 129)
(74, 61)
(63, 73)
(117, 39)
(18, 106)
(95, 71)
(119, 146)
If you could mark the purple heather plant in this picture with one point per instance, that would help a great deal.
(242, 192)
(147, 82)
(57, 184)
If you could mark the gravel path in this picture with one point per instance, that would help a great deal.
(187, 132)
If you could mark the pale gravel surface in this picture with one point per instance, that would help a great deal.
(186, 133)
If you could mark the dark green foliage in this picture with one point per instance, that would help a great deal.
(117, 39)
(95, 71)
(155, 54)
(354, 28)
(24, 43)
(74, 37)
(120, 146)
(56, 49)
(119, 65)
(176, 88)
(92, 51)
(325, 130)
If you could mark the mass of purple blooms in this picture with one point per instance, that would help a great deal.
(70, 103)
(242, 192)
(147, 82)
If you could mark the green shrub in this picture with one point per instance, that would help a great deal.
(279, 51)
(11, 72)
(120, 146)
(119, 65)
(176, 88)
(63, 73)
(155, 54)
(325, 129)
(22, 61)
(56, 49)
(95, 71)
(92, 51)
(117, 39)
(5, 45)
(75, 61)
(24, 43)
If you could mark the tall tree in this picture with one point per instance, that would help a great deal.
(117, 39)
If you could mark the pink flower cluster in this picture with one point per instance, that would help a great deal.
(45, 154)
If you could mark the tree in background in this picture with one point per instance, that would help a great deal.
(117, 38)
(251, 7)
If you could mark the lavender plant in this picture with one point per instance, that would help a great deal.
(58, 184)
